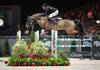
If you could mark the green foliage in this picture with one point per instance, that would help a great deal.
(34, 48)
(34, 55)
(1, 60)
(32, 36)
(37, 61)
(50, 61)
(28, 60)
(16, 60)
(19, 47)
(38, 48)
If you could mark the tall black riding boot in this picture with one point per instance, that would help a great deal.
(50, 21)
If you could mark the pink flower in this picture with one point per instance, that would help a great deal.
(36, 56)
(25, 64)
(30, 55)
(33, 64)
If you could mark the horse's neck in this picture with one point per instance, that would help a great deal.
(42, 21)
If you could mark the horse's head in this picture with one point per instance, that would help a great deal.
(34, 20)
(29, 24)
(38, 19)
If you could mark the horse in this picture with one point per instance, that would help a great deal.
(67, 25)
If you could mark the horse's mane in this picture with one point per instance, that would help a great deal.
(37, 15)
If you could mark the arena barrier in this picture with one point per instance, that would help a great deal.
(71, 45)
(60, 43)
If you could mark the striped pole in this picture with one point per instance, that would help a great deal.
(36, 36)
(55, 42)
(52, 42)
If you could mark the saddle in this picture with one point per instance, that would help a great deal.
(54, 20)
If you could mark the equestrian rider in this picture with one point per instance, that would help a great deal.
(50, 11)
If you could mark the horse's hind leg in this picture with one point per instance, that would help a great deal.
(75, 32)
(71, 30)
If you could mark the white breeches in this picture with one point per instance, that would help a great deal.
(54, 14)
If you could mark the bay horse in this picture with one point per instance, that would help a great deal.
(67, 25)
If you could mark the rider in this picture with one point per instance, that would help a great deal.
(50, 11)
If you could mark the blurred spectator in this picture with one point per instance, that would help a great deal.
(96, 43)
(90, 14)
